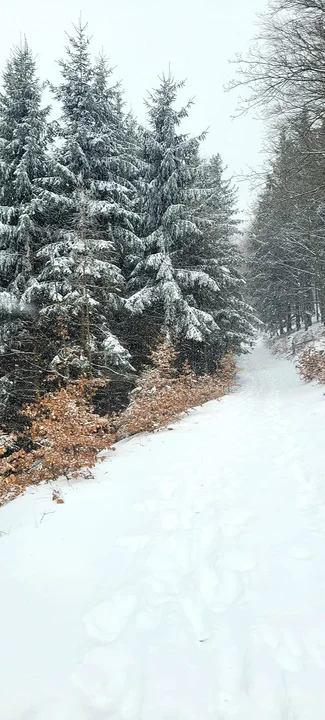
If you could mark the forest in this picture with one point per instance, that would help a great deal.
(124, 264)
(283, 78)
(113, 237)
(162, 365)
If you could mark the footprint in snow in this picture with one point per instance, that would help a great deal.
(107, 620)
(315, 646)
(208, 584)
(270, 635)
(266, 690)
(194, 613)
(218, 590)
(288, 661)
(178, 545)
(111, 681)
(229, 590)
(148, 619)
(164, 584)
(131, 704)
(285, 646)
(207, 539)
(292, 642)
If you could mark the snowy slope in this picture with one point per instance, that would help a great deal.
(294, 343)
(187, 582)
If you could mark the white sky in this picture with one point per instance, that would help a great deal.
(141, 38)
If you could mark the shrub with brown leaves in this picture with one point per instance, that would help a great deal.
(162, 394)
(311, 365)
(64, 436)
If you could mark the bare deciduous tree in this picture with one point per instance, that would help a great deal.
(284, 70)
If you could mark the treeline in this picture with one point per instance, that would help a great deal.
(112, 236)
(284, 72)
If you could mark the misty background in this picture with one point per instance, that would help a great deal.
(141, 38)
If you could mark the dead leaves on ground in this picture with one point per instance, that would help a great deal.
(65, 435)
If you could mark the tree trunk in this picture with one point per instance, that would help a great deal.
(317, 303)
(289, 319)
(206, 362)
(307, 320)
(298, 317)
(321, 297)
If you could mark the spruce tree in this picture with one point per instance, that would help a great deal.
(286, 255)
(24, 137)
(163, 282)
(218, 254)
(81, 282)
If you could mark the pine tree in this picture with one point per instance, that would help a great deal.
(24, 137)
(163, 283)
(91, 215)
(286, 237)
(218, 254)
(116, 167)
(268, 279)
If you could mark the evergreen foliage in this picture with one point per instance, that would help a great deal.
(111, 236)
(181, 282)
(283, 72)
(285, 242)
(91, 215)
(24, 138)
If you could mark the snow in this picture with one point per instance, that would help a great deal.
(186, 581)
(292, 344)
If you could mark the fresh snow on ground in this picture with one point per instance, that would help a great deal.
(187, 581)
(291, 344)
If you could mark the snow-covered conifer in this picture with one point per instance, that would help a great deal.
(24, 137)
(91, 214)
(163, 281)
(218, 254)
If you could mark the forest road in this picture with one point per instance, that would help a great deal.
(187, 581)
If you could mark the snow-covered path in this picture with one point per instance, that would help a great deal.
(188, 581)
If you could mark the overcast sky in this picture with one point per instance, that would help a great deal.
(141, 38)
